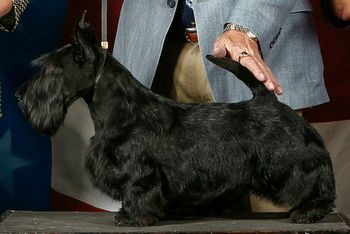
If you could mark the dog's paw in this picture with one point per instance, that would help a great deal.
(146, 220)
(121, 219)
(306, 216)
(301, 219)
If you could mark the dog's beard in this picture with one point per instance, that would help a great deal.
(43, 104)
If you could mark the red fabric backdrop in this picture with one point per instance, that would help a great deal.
(335, 46)
(75, 10)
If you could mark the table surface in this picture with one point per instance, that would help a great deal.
(102, 222)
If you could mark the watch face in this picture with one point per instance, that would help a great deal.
(251, 35)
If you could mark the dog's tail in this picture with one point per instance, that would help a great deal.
(242, 73)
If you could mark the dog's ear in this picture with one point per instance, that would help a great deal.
(84, 36)
(40, 61)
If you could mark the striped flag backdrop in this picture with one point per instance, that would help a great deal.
(70, 187)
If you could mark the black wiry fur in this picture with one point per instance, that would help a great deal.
(156, 155)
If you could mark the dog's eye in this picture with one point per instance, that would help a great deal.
(78, 55)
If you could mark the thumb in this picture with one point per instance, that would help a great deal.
(219, 51)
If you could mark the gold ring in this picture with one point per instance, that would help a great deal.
(242, 55)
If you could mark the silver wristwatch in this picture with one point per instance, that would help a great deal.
(240, 28)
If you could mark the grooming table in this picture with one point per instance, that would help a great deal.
(102, 222)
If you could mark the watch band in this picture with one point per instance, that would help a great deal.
(240, 28)
(243, 29)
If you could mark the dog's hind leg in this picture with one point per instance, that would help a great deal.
(320, 201)
(312, 210)
(143, 201)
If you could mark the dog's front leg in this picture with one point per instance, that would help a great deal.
(143, 201)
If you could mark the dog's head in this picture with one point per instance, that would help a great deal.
(65, 75)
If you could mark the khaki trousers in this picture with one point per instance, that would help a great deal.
(189, 84)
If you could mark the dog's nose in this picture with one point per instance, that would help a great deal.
(20, 91)
(18, 95)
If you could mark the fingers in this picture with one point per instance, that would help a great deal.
(262, 72)
(5, 7)
(240, 48)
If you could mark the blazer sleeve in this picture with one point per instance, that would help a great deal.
(330, 17)
(264, 18)
(10, 21)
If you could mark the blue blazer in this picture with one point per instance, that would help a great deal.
(284, 28)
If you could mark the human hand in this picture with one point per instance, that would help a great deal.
(5, 7)
(239, 47)
(341, 9)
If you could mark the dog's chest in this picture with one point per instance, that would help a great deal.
(107, 172)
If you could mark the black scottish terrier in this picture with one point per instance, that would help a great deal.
(156, 155)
